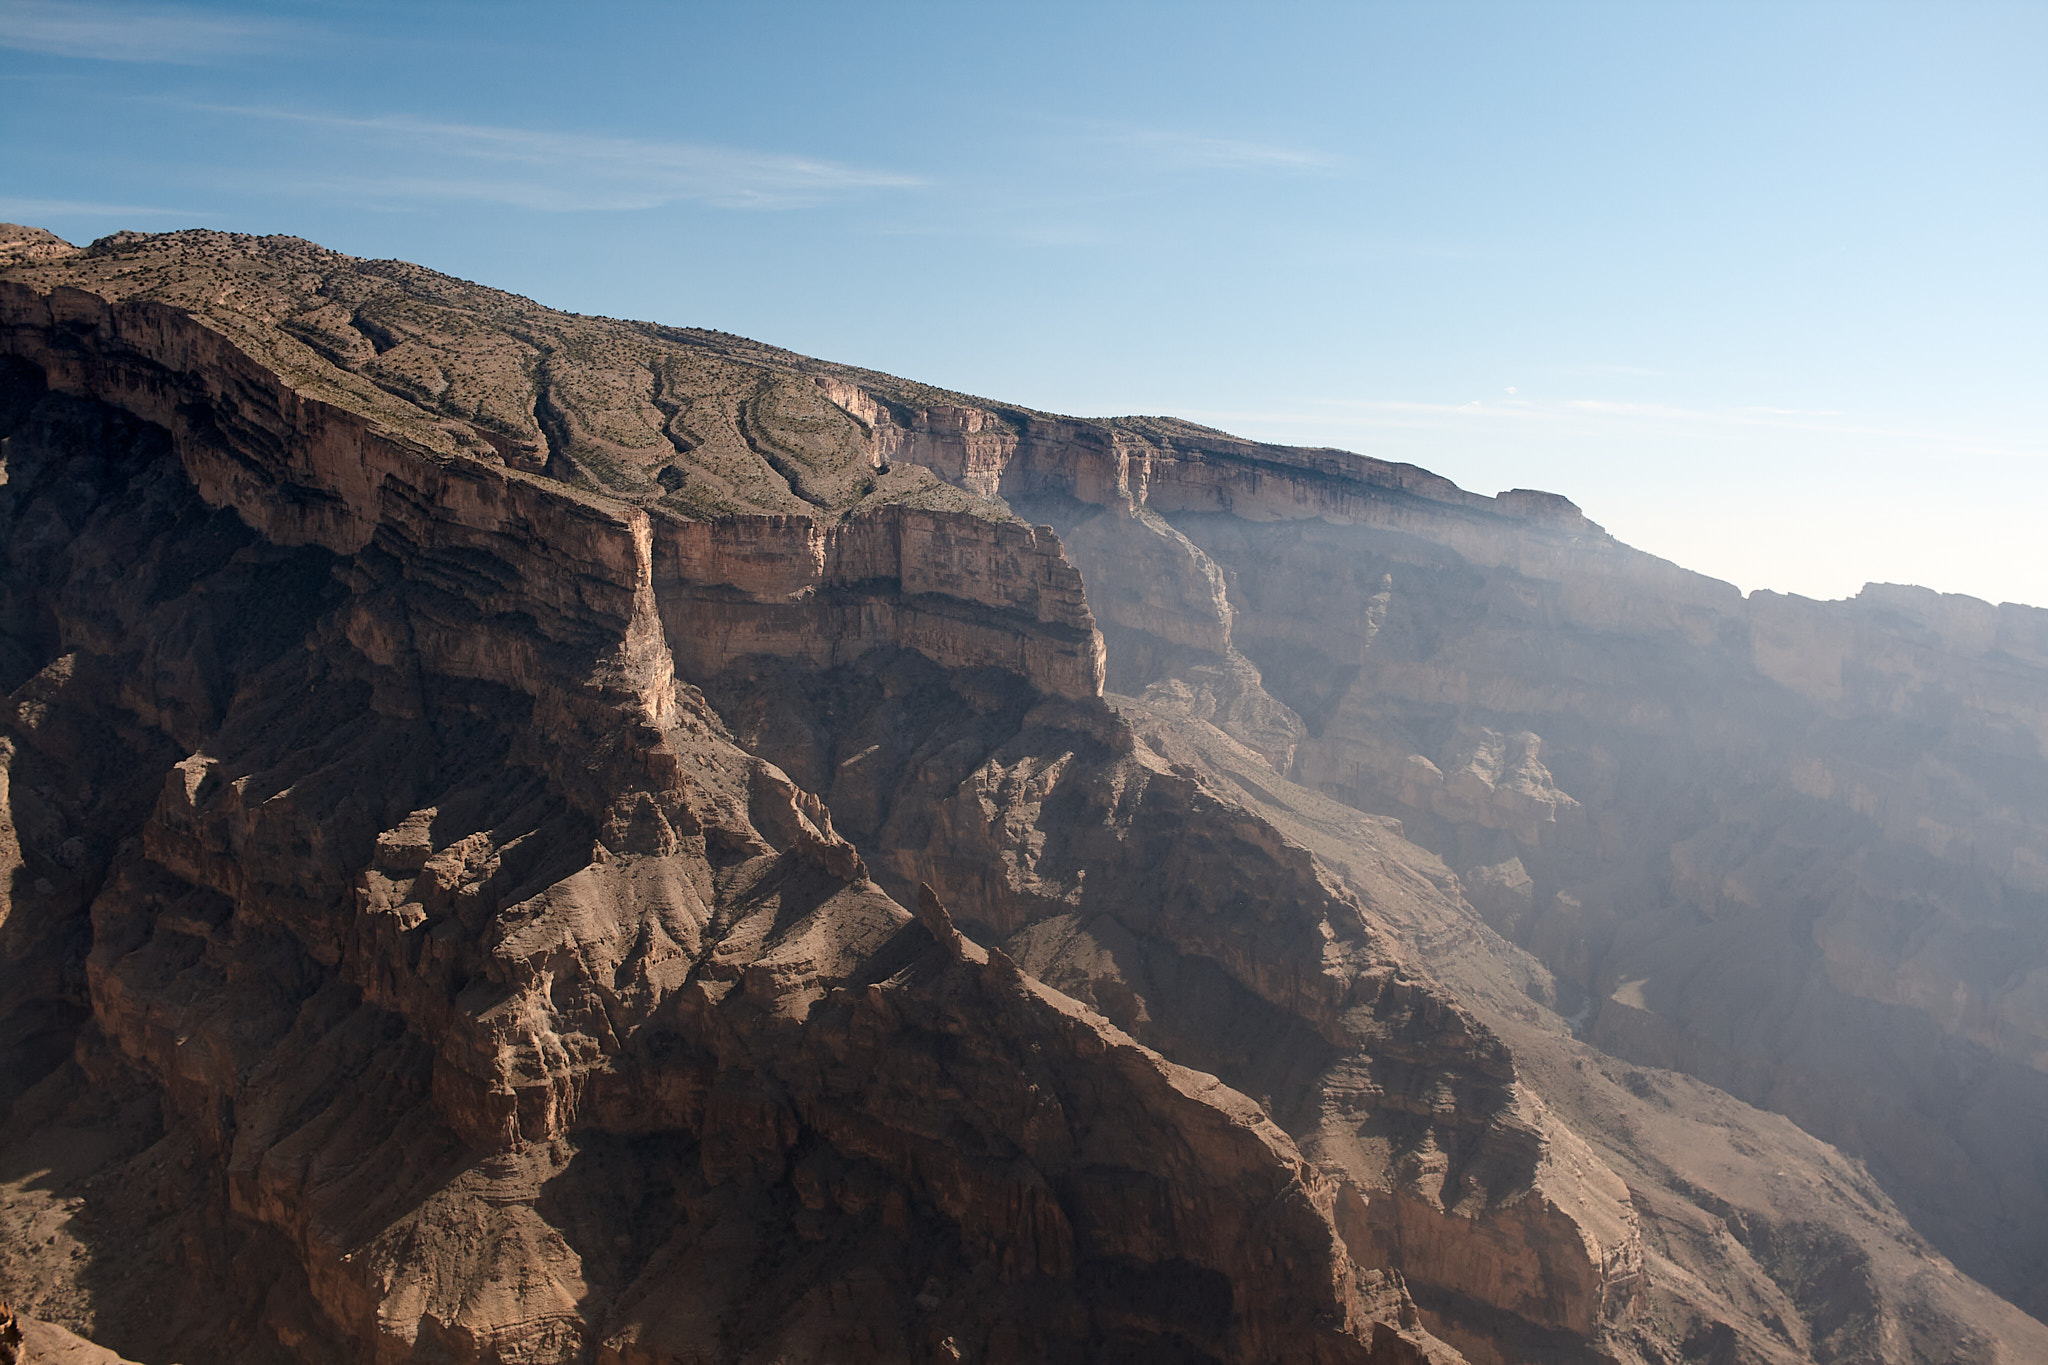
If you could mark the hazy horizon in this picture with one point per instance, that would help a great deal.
(1759, 288)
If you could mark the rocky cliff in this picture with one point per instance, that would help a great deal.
(1793, 848)
(541, 838)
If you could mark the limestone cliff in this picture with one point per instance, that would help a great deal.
(1792, 847)
(366, 843)
(542, 838)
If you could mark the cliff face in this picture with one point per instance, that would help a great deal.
(481, 998)
(1791, 847)
(538, 838)
(1792, 854)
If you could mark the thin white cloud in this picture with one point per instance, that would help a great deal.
(27, 210)
(1030, 232)
(1180, 149)
(138, 33)
(1193, 151)
(415, 160)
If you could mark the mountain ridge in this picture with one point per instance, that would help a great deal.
(844, 659)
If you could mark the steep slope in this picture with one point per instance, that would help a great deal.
(467, 765)
(1760, 1241)
(399, 923)
(1793, 848)
(1788, 847)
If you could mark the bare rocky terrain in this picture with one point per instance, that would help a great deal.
(534, 838)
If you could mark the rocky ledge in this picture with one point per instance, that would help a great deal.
(540, 838)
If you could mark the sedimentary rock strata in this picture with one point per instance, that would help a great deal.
(542, 838)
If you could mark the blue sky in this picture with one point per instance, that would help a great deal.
(1763, 287)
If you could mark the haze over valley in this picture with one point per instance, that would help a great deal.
(602, 764)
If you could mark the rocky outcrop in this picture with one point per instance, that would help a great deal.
(1820, 799)
(436, 956)
(1757, 1241)
(433, 917)
(1441, 657)
(308, 458)
(960, 588)
(34, 1342)
(1170, 467)
(20, 245)
(1610, 751)
(1634, 770)
(467, 768)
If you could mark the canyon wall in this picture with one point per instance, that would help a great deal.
(538, 838)
(1791, 847)
(417, 927)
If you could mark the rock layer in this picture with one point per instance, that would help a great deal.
(467, 766)
(1835, 807)
(436, 949)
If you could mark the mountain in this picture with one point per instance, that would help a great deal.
(541, 838)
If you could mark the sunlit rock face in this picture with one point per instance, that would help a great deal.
(1793, 850)
(532, 838)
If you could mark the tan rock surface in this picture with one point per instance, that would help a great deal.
(1790, 847)
(1759, 1242)
(1801, 841)
(467, 766)
(45, 1343)
(476, 997)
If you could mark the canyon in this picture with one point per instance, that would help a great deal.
(538, 838)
